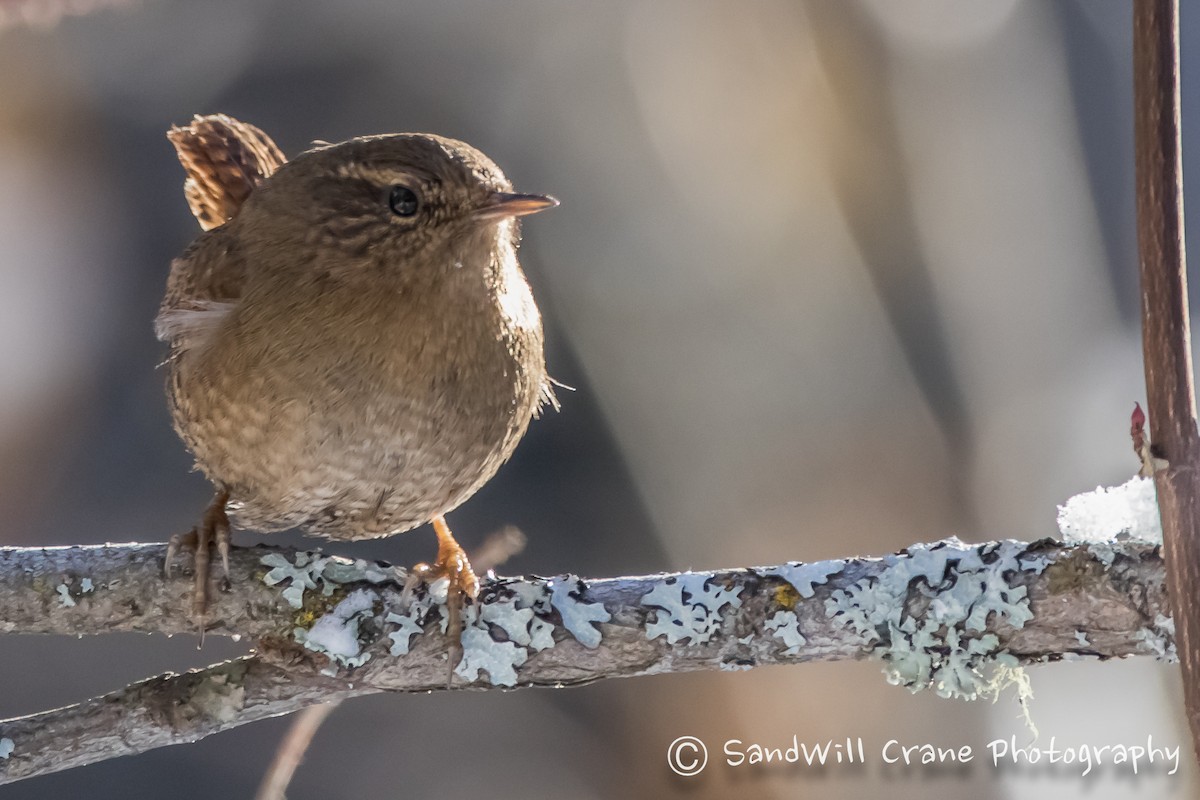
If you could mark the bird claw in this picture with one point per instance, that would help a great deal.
(213, 529)
(463, 588)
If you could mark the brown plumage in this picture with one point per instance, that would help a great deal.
(355, 351)
(224, 160)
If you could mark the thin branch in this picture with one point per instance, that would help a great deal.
(1166, 339)
(169, 709)
(291, 751)
(938, 616)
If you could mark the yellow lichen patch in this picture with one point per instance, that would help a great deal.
(317, 605)
(787, 596)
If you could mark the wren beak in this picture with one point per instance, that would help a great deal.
(501, 205)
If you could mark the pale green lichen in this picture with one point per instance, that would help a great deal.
(402, 636)
(579, 618)
(1007, 673)
(68, 592)
(303, 574)
(511, 621)
(785, 626)
(482, 653)
(501, 633)
(419, 613)
(6, 747)
(805, 577)
(1159, 639)
(688, 606)
(517, 616)
(947, 647)
(514, 621)
(64, 595)
(336, 633)
(313, 570)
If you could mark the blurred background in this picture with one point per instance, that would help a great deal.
(829, 278)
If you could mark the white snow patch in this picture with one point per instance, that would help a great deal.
(1126, 511)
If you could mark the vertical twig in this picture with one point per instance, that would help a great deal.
(1166, 337)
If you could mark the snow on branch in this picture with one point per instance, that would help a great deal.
(946, 616)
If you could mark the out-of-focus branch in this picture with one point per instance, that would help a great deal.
(938, 615)
(169, 709)
(1166, 338)
(45, 13)
(291, 751)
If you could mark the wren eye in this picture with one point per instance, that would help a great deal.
(403, 201)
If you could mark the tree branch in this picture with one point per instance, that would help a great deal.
(943, 616)
(1166, 338)
(291, 751)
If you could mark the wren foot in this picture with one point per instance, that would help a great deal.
(452, 564)
(213, 529)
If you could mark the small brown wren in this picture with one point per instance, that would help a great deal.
(354, 348)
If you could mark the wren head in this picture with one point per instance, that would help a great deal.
(404, 205)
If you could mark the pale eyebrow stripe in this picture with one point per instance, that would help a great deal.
(375, 175)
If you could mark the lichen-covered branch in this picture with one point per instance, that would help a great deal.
(940, 616)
